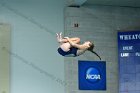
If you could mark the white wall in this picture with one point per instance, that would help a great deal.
(100, 25)
(35, 65)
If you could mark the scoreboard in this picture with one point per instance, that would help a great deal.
(129, 61)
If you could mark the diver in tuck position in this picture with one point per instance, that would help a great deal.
(71, 47)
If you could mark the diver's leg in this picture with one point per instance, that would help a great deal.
(63, 40)
(65, 46)
(75, 40)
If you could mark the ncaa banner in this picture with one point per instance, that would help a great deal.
(92, 75)
(129, 61)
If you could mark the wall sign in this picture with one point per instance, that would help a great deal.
(92, 75)
(129, 61)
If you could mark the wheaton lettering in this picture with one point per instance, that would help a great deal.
(130, 37)
(88, 76)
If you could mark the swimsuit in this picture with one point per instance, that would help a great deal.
(71, 52)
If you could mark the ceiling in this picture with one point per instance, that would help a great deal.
(127, 3)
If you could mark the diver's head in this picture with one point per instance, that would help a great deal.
(90, 44)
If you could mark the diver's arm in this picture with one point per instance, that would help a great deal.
(79, 46)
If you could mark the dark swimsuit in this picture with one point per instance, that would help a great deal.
(72, 51)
